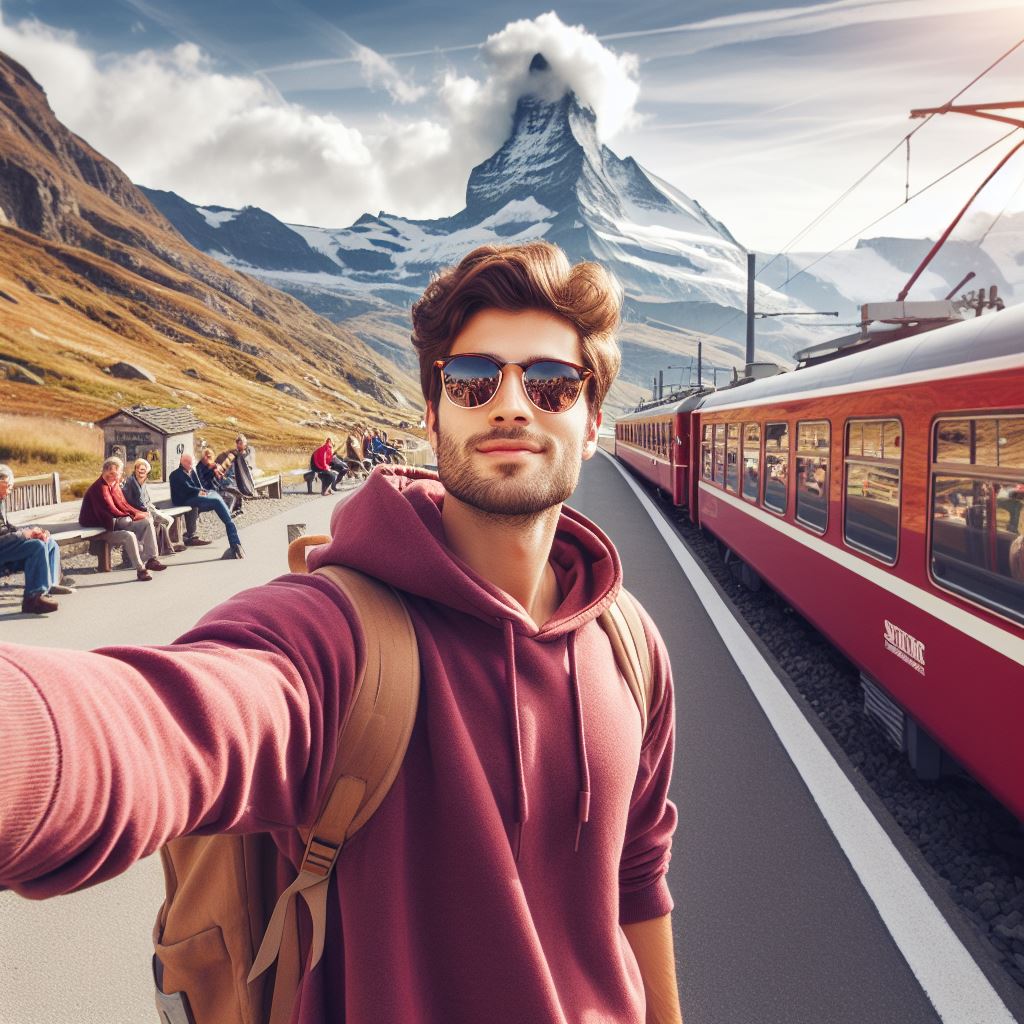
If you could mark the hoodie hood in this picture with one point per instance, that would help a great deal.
(391, 529)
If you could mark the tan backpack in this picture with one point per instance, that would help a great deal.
(225, 920)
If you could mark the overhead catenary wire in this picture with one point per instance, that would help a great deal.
(736, 314)
(905, 141)
(999, 215)
(899, 206)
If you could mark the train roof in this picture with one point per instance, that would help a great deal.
(986, 343)
(686, 404)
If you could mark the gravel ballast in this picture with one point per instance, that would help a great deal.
(974, 845)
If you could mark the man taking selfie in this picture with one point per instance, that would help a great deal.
(515, 871)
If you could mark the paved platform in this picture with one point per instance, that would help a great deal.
(85, 957)
(772, 924)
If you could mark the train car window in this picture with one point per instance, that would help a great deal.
(812, 445)
(871, 517)
(705, 452)
(732, 457)
(751, 460)
(872, 438)
(977, 534)
(974, 442)
(892, 438)
(718, 473)
(776, 466)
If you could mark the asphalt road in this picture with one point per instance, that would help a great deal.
(772, 925)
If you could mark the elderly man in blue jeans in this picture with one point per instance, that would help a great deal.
(33, 549)
(186, 489)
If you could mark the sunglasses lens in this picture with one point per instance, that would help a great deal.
(470, 381)
(553, 386)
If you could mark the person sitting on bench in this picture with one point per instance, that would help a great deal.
(104, 505)
(381, 448)
(321, 462)
(187, 490)
(239, 468)
(214, 479)
(33, 549)
(354, 455)
(136, 493)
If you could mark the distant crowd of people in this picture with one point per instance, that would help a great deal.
(120, 503)
(123, 506)
(356, 456)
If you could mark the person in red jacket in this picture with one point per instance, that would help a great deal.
(104, 505)
(321, 463)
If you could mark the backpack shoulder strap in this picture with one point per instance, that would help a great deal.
(371, 748)
(628, 638)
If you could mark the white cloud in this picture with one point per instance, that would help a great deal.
(380, 72)
(602, 79)
(172, 121)
(786, 22)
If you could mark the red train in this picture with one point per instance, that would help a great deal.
(881, 493)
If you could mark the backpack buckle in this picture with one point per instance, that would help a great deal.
(320, 856)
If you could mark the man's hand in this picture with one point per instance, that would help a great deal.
(37, 533)
(202, 494)
(652, 946)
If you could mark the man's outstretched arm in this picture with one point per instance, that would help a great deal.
(652, 946)
(106, 755)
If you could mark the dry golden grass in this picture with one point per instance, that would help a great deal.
(59, 326)
(42, 444)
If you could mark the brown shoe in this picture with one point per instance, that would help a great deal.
(155, 565)
(196, 542)
(38, 604)
(142, 576)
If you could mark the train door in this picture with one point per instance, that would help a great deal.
(680, 457)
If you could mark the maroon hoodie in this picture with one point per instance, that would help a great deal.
(526, 825)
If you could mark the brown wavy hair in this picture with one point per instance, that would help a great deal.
(536, 275)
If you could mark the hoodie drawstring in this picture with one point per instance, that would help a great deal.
(522, 806)
(522, 809)
(583, 801)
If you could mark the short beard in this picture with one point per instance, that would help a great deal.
(505, 497)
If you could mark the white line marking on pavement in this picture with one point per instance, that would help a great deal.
(952, 981)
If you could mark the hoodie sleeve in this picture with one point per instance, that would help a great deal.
(643, 890)
(107, 755)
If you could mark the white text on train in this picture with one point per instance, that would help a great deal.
(904, 646)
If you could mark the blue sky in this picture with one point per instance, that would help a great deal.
(320, 111)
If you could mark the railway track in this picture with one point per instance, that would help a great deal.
(971, 842)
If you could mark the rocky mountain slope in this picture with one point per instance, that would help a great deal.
(92, 274)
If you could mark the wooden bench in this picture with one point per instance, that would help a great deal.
(177, 514)
(35, 501)
(270, 485)
(101, 542)
(34, 492)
